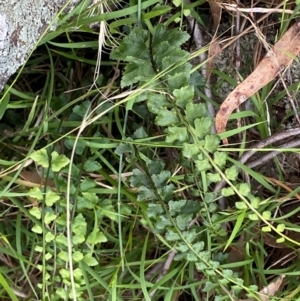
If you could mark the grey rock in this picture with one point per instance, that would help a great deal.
(22, 22)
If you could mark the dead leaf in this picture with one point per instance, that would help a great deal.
(214, 46)
(14, 168)
(216, 12)
(278, 58)
(284, 186)
(268, 291)
(271, 289)
(34, 177)
(213, 51)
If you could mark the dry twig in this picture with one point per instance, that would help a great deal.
(261, 144)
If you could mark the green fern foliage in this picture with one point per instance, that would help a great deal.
(157, 64)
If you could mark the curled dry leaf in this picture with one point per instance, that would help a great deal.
(268, 291)
(271, 289)
(278, 58)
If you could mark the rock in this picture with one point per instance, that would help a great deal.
(22, 23)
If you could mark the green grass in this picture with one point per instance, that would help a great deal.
(110, 181)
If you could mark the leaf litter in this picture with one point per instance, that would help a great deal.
(274, 62)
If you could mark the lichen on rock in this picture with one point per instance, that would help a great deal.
(21, 25)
